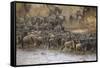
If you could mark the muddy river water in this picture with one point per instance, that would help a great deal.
(44, 56)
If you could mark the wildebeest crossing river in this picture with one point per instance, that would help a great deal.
(56, 37)
(45, 55)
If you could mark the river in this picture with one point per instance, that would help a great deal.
(44, 56)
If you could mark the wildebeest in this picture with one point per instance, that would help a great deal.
(52, 40)
(57, 28)
(18, 39)
(92, 44)
(60, 20)
(77, 45)
(32, 40)
(28, 41)
(68, 45)
(86, 45)
(72, 18)
(52, 20)
(33, 20)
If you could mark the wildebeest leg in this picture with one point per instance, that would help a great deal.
(49, 44)
(32, 40)
(75, 47)
(85, 49)
(62, 47)
(22, 42)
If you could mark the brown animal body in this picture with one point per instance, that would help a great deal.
(68, 45)
(32, 40)
(28, 41)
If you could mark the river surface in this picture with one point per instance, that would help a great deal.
(44, 56)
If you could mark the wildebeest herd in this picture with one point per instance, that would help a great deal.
(49, 32)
